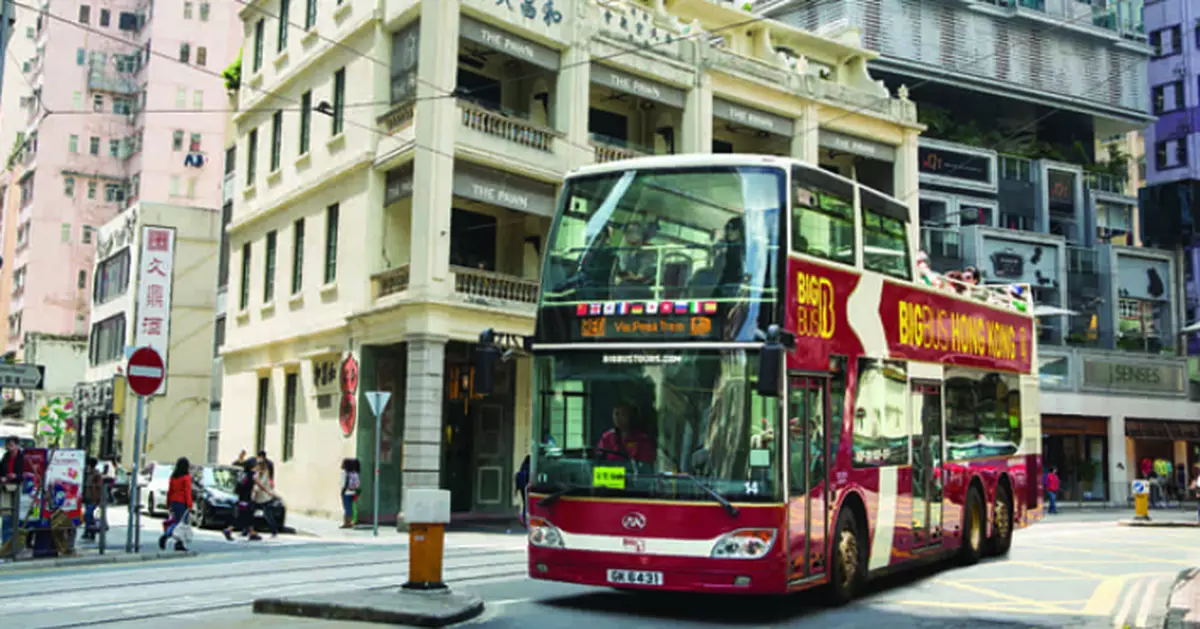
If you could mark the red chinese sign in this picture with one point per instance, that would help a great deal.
(156, 264)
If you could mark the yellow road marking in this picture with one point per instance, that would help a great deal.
(1114, 553)
(1070, 571)
(989, 607)
(1000, 595)
(1026, 579)
(1105, 597)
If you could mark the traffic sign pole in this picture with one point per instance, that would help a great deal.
(145, 374)
(133, 535)
(378, 401)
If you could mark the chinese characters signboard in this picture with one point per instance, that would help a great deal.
(156, 266)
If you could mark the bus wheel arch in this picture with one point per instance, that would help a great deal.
(849, 549)
(1003, 518)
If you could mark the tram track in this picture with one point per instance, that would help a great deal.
(272, 569)
(216, 606)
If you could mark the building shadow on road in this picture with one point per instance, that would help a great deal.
(812, 605)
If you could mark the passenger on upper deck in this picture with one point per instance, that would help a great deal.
(637, 263)
(626, 437)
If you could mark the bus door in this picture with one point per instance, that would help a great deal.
(808, 448)
(926, 431)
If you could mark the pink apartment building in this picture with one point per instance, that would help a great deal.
(123, 102)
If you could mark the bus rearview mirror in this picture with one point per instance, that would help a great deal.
(770, 364)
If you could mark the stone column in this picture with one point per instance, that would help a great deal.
(571, 100)
(1118, 477)
(906, 183)
(696, 130)
(805, 138)
(423, 412)
(436, 124)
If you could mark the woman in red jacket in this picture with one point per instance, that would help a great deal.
(179, 500)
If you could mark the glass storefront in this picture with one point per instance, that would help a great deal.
(1078, 447)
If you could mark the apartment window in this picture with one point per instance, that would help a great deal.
(305, 121)
(281, 40)
(80, 56)
(201, 55)
(1170, 154)
(230, 159)
(290, 386)
(94, 145)
(223, 256)
(105, 17)
(77, 101)
(112, 277)
(251, 157)
(191, 188)
(88, 234)
(269, 270)
(331, 243)
(26, 190)
(259, 27)
(85, 14)
(174, 189)
(92, 190)
(66, 233)
(107, 340)
(187, 10)
(180, 97)
(204, 10)
(122, 106)
(81, 282)
(276, 139)
(260, 417)
(114, 192)
(339, 100)
(1168, 97)
(297, 256)
(1167, 41)
(198, 99)
(135, 186)
(177, 140)
(98, 103)
(185, 52)
(114, 148)
(69, 187)
(310, 14)
(73, 143)
(218, 334)
(194, 143)
(244, 289)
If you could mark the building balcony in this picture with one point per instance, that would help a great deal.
(1102, 182)
(508, 137)
(111, 82)
(477, 287)
(1123, 18)
(611, 152)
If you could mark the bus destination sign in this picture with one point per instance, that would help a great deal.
(632, 321)
(609, 328)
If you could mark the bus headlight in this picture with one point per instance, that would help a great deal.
(744, 544)
(543, 533)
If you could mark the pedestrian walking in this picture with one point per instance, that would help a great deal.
(270, 466)
(244, 510)
(179, 501)
(93, 489)
(263, 494)
(522, 480)
(350, 487)
(1052, 485)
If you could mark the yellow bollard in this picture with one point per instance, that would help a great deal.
(427, 512)
(1141, 499)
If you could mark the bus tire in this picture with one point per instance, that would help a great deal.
(1002, 527)
(848, 571)
(973, 527)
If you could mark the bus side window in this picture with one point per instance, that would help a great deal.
(798, 464)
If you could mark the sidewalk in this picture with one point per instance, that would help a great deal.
(1183, 610)
(323, 528)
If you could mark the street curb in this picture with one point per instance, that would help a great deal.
(1175, 615)
(1164, 524)
(394, 607)
(67, 562)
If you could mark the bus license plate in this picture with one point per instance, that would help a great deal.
(635, 577)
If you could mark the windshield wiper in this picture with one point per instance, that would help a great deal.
(559, 493)
(725, 504)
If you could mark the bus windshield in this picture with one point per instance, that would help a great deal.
(628, 424)
(708, 233)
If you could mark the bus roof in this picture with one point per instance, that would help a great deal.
(683, 161)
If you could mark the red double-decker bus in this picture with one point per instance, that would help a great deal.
(743, 382)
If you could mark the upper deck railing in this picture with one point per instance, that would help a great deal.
(1015, 297)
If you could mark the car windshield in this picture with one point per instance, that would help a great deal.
(622, 424)
(655, 235)
(161, 472)
(222, 478)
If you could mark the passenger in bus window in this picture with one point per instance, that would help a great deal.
(637, 262)
(625, 437)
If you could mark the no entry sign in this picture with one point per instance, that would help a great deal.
(145, 371)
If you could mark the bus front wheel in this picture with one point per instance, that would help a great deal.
(973, 524)
(849, 566)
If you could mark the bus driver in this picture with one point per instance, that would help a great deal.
(625, 437)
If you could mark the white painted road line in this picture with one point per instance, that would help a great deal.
(1119, 619)
(1147, 606)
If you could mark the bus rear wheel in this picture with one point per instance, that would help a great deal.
(849, 573)
(972, 529)
(1002, 536)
